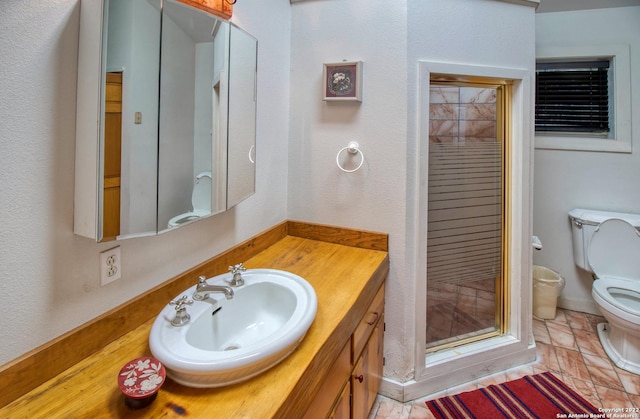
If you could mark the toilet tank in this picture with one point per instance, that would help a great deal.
(584, 222)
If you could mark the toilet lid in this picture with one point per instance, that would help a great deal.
(614, 251)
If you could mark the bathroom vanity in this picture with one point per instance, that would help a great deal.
(340, 357)
(351, 388)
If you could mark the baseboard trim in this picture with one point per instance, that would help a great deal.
(582, 305)
(411, 390)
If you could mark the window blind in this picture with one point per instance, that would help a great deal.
(572, 96)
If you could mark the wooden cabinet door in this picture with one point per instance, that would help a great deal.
(329, 392)
(367, 323)
(375, 363)
(367, 375)
(342, 409)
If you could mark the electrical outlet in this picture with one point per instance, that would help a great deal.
(110, 266)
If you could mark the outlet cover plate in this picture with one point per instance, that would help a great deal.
(110, 266)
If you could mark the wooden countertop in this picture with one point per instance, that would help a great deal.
(345, 280)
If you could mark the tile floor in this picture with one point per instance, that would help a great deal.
(459, 310)
(569, 347)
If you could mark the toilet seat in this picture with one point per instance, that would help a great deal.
(200, 201)
(621, 295)
(186, 217)
(614, 256)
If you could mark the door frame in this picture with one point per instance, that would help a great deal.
(516, 346)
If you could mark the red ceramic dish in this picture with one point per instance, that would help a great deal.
(141, 378)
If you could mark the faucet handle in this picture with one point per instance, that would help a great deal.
(180, 303)
(237, 268)
(182, 317)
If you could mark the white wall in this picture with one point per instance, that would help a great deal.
(390, 37)
(204, 135)
(374, 197)
(491, 38)
(49, 278)
(579, 179)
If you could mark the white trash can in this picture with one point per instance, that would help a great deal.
(547, 287)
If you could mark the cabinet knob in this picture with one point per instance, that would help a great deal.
(360, 378)
(375, 318)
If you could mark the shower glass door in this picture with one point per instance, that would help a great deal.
(466, 212)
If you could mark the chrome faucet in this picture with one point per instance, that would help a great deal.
(203, 289)
(237, 270)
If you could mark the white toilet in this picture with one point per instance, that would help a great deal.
(200, 199)
(608, 244)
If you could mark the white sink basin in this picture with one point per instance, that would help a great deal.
(229, 341)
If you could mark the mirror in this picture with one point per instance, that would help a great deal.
(192, 91)
(176, 108)
(242, 108)
(129, 142)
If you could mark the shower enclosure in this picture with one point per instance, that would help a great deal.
(466, 218)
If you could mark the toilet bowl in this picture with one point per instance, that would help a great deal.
(613, 255)
(200, 200)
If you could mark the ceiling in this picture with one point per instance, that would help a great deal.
(547, 6)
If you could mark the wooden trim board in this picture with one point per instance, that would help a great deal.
(340, 235)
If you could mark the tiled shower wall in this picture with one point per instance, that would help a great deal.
(460, 114)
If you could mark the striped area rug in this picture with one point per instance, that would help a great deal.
(533, 396)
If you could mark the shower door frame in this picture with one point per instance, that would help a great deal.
(503, 136)
(514, 345)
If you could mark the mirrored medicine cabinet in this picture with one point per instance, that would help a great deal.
(166, 108)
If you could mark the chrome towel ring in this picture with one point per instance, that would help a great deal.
(353, 148)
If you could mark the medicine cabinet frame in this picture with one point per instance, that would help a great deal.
(89, 164)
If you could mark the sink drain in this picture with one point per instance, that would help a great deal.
(232, 347)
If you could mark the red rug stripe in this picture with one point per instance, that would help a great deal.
(560, 393)
(508, 403)
(533, 396)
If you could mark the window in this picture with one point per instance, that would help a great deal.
(573, 97)
(583, 99)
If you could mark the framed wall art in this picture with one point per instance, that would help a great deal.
(342, 81)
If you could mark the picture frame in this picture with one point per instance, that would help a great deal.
(342, 81)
